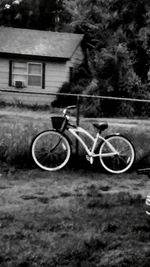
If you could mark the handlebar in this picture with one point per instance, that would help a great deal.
(67, 108)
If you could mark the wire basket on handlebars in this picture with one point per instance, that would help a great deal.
(59, 123)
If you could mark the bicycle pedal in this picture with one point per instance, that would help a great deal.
(90, 159)
(87, 157)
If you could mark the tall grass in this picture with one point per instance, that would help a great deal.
(16, 136)
(15, 143)
(20, 104)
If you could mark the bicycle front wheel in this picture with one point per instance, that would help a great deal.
(122, 160)
(50, 150)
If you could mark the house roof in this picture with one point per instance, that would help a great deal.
(38, 43)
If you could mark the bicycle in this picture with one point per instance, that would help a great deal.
(52, 149)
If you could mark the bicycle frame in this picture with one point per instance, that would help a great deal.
(91, 153)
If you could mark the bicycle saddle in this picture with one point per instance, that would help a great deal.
(101, 126)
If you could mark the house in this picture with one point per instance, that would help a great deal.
(37, 61)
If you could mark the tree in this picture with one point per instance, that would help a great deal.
(38, 14)
(107, 24)
(116, 44)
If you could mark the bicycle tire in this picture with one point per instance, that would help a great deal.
(122, 162)
(50, 150)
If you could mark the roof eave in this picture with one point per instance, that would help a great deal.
(32, 57)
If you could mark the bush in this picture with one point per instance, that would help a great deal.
(66, 100)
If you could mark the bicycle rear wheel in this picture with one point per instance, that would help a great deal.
(120, 162)
(50, 150)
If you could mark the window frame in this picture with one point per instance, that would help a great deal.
(34, 74)
(27, 74)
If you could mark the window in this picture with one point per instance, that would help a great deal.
(34, 74)
(30, 74)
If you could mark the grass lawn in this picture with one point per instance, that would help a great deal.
(77, 217)
(73, 218)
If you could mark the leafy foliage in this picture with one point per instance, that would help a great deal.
(35, 14)
(116, 47)
(116, 40)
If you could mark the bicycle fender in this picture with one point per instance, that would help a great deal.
(113, 134)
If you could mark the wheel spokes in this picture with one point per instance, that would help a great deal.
(51, 150)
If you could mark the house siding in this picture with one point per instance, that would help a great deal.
(55, 75)
(77, 57)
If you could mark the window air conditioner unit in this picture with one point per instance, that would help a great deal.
(19, 84)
